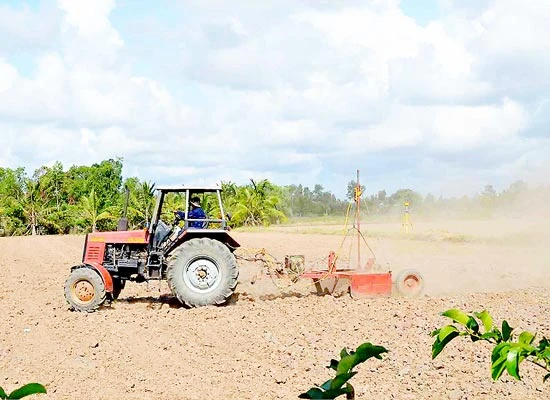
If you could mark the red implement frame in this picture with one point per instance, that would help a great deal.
(362, 281)
(361, 284)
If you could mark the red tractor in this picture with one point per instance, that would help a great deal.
(197, 260)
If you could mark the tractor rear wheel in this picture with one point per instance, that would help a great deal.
(84, 290)
(202, 272)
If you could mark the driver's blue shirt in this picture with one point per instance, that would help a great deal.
(197, 213)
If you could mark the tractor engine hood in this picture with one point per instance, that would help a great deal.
(138, 237)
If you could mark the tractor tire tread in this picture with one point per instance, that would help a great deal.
(97, 281)
(225, 260)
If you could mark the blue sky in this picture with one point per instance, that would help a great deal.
(440, 96)
(423, 11)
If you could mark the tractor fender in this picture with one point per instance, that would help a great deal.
(100, 269)
(228, 240)
(216, 234)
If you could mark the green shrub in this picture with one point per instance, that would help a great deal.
(509, 350)
(339, 385)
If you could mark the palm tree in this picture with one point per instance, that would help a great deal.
(246, 206)
(229, 190)
(172, 202)
(145, 196)
(89, 210)
(141, 203)
(257, 204)
(36, 207)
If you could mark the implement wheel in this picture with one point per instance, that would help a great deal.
(409, 283)
(84, 290)
(202, 272)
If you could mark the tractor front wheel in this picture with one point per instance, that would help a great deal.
(84, 290)
(202, 272)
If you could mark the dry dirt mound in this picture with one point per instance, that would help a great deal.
(146, 346)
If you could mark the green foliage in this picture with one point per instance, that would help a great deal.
(105, 178)
(382, 204)
(24, 391)
(509, 350)
(350, 190)
(258, 203)
(53, 200)
(89, 213)
(140, 202)
(36, 206)
(301, 201)
(488, 199)
(339, 385)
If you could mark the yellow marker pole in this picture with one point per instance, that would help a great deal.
(407, 219)
(358, 220)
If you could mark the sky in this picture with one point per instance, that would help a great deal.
(439, 96)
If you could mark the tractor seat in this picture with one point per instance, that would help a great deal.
(202, 224)
(161, 233)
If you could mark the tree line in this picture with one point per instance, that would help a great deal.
(87, 198)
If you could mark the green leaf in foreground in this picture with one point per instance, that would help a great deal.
(333, 364)
(27, 390)
(368, 350)
(498, 359)
(446, 331)
(495, 335)
(486, 319)
(512, 363)
(362, 354)
(313, 393)
(333, 393)
(526, 337)
(473, 326)
(443, 337)
(509, 350)
(457, 316)
(340, 379)
(348, 360)
(506, 330)
(498, 368)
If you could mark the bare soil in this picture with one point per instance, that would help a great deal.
(273, 344)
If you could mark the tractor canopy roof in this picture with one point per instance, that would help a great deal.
(194, 189)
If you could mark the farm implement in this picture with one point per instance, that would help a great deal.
(358, 273)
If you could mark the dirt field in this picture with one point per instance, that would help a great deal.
(268, 345)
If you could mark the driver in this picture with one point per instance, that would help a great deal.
(196, 212)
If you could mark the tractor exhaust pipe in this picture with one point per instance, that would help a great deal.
(123, 222)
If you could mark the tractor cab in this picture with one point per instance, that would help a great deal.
(175, 217)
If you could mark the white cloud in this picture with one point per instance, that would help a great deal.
(25, 29)
(510, 28)
(87, 32)
(8, 76)
(467, 127)
(388, 33)
(300, 93)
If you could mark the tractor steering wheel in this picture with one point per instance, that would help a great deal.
(177, 217)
